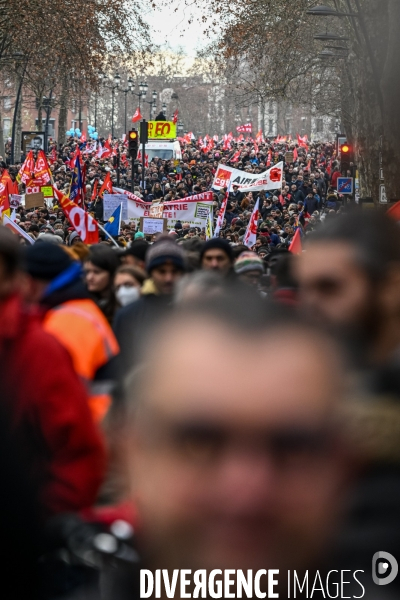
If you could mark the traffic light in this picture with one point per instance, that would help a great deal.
(144, 132)
(133, 143)
(346, 157)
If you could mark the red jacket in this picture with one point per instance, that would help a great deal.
(48, 407)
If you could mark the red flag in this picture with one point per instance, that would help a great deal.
(4, 194)
(94, 192)
(137, 116)
(41, 171)
(26, 170)
(302, 141)
(53, 155)
(269, 158)
(236, 156)
(295, 245)
(175, 117)
(107, 185)
(146, 159)
(295, 154)
(394, 212)
(250, 237)
(246, 128)
(83, 223)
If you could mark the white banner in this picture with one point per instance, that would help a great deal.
(193, 210)
(249, 182)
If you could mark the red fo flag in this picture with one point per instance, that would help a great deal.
(250, 237)
(83, 223)
(137, 116)
(175, 117)
(295, 246)
(246, 128)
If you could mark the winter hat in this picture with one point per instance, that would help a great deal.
(248, 261)
(139, 235)
(219, 243)
(49, 237)
(72, 236)
(165, 249)
(45, 260)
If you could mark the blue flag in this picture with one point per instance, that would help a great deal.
(76, 189)
(114, 222)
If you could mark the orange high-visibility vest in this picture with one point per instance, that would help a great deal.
(81, 327)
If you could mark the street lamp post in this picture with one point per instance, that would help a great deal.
(117, 81)
(126, 91)
(142, 91)
(114, 86)
(152, 102)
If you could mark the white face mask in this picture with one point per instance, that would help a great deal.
(127, 294)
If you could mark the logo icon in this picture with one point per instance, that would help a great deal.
(384, 568)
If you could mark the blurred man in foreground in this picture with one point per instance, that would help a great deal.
(350, 281)
(229, 472)
(46, 402)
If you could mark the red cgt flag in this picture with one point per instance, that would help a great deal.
(246, 128)
(25, 173)
(175, 117)
(137, 116)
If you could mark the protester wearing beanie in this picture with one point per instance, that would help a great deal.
(249, 267)
(217, 255)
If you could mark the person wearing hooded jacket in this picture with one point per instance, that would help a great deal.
(45, 400)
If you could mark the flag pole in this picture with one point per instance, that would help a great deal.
(107, 234)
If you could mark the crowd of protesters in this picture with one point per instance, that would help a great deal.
(236, 406)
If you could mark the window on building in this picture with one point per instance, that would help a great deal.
(52, 123)
(7, 127)
(288, 125)
(270, 107)
(320, 124)
(303, 124)
(270, 126)
(7, 103)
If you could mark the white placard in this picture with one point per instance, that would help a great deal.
(111, 202)
(151, 226)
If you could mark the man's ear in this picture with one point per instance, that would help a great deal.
(389, 289)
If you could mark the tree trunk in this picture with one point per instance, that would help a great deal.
(390, 86)
(39, 117)
(2, 149)
(17, 146)
(63, 112)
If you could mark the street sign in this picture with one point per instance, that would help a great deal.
(345, 185)
(382, 194)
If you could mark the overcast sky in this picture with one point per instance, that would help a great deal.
(172, 27)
